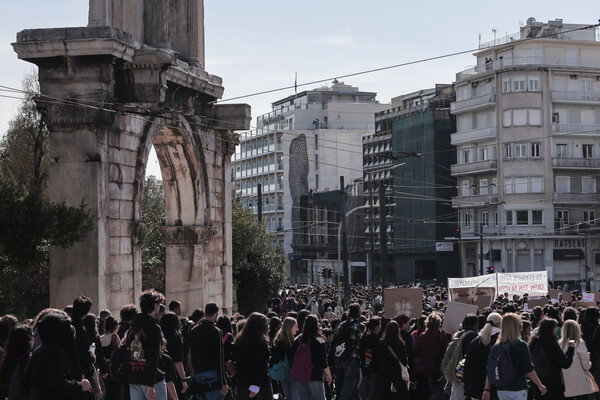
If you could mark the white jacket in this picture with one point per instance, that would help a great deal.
(578, 379)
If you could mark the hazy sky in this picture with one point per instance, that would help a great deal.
(260, 45)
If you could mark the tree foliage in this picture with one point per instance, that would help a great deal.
(153, 251)
(29, 223)
(258, 263)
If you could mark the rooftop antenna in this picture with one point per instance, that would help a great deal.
(479, 39)
(494, 31)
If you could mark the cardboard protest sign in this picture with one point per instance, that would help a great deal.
(402, 301)
(479, 296)
(534, 283)
(588, 297)
(455, 313)
(587, 304)
(559, 295)
(596, 297)
(531, 303)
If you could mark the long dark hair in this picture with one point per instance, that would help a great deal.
(254, 332)
(545, 331)
(18, 344)
(310, 329)
(391, 336)
(170, 324)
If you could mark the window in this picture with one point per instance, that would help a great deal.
(563, 216)
(316, 181)
(520, 150)
(506, 86)
(484, 154)
(589, 217)
(535, 117)
(485, 218)
(561, 151)
(496, 218)
(467, 220)
(587, 150)
(563, 184)
(521, 184)
(535, 150)
(519, 84)
(466, 188)
(483, 186)
(520, 117)
(508, 151)
(522, 217)
(534, 84)
(537, 184)
(536, 217)
(555, 118)
(509, 218)
(588, 184)
(507, 121)
(316, 142)
(466, 156)
(316, 162)
(508, 185)
(586, 85)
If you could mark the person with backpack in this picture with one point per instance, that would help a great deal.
(281, 355)
(476, 358)
(390, 383)
(346, 347)
(369, 344)
(579, 382)
(309, 362)
(143, 344)
(455, 354)
(509, 363)
(251, 354)
(549, 359)
(429, 349)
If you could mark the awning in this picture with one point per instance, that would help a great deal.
(568, 254)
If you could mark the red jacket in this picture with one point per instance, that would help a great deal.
(429, 350)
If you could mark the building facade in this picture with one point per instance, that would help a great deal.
(528, 153)
(304, 144)
(406, 157)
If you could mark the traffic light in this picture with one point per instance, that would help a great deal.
(457, 233)
(490, 270)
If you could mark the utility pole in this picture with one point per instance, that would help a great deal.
(383, 236)
(372, 239)
(259, 202)
(344, 241)
(481, 243)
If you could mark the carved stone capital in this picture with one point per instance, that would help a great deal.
(230, 141)
(188, 235)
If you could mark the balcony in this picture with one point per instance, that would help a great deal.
(575, 130)
(576, 97)
(474, 135)
(477, 167)
(575, 163)
(575, 198)
(474, 201)
(473, 72)
(473, 104)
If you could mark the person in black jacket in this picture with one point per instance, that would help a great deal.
(549, 360)
(143, 343)
(470, 325)
(391, 353)
(53, 373)
(18, 353)
(282, 349)
(206, 347)
(83, 341)
(369, 345)
(476, 358)
(171, 328)
(251, 355)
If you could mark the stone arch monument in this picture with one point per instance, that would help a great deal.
(132, 79)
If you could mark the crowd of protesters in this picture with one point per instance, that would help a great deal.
(306, 344)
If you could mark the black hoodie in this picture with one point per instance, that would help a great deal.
(144, 340)
(53, 372)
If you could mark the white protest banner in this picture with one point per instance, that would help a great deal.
(474, 281)
(534, 283)
(588, 297)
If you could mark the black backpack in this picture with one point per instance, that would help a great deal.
(341, 346)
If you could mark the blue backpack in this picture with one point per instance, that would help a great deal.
(280, 370)
(501, 371)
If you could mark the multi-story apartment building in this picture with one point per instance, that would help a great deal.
(528, 153)
(305, 143)
(407, 156)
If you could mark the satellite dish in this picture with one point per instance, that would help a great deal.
(530, 20)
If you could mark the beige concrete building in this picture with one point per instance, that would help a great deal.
(528, 153)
